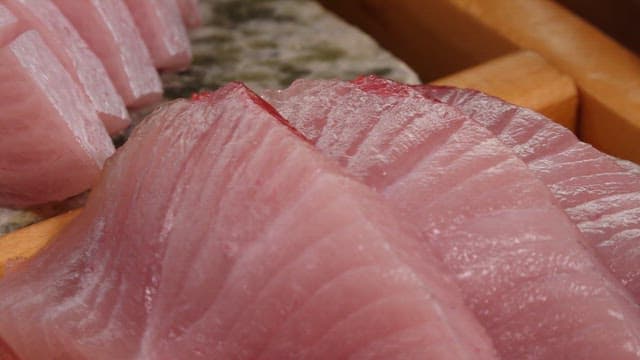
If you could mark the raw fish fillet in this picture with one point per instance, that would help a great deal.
(217, 233)
(190, 11)
(108, 28)
(9, 26)
(163, 31)
(75, 56)
(52, 144)
(599, 195)
(515, 255)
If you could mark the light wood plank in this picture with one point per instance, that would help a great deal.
(26, 242)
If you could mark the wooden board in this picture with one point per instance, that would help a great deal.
(437, 37)
(26, 242)
(526, 79)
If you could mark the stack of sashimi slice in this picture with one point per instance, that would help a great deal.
(344, 220)
(68, 70)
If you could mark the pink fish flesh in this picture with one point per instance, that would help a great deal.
(108, 28)
(75, 55)
(9, 26)
(163, 31)
(217, 233)
(53, 144)
(599, 195)
(515, 255)
(190, 11)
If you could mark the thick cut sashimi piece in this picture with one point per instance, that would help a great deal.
(52, 144)
(515, 255)
(163, 31)
(75, 56)
(599, 195)
(108, 28)
(9, 26)
(190, 11)
(217, 233)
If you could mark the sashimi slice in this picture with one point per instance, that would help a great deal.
(52, 145)
(163, 31)
(108, 28)
(190, 11)
(75, 56)
(515, 255)
(217, 233)
(9, 26)
(599, 195)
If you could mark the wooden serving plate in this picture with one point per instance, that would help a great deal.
(577, 76)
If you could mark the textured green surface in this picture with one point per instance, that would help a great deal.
(270, 43)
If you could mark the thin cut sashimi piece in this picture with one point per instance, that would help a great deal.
(163, 31)
(53, 145)
(9, 26)
(599, 195)
(75, 56)
(217, 233)
(190, 11)
(515, 255)
(108, 28)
